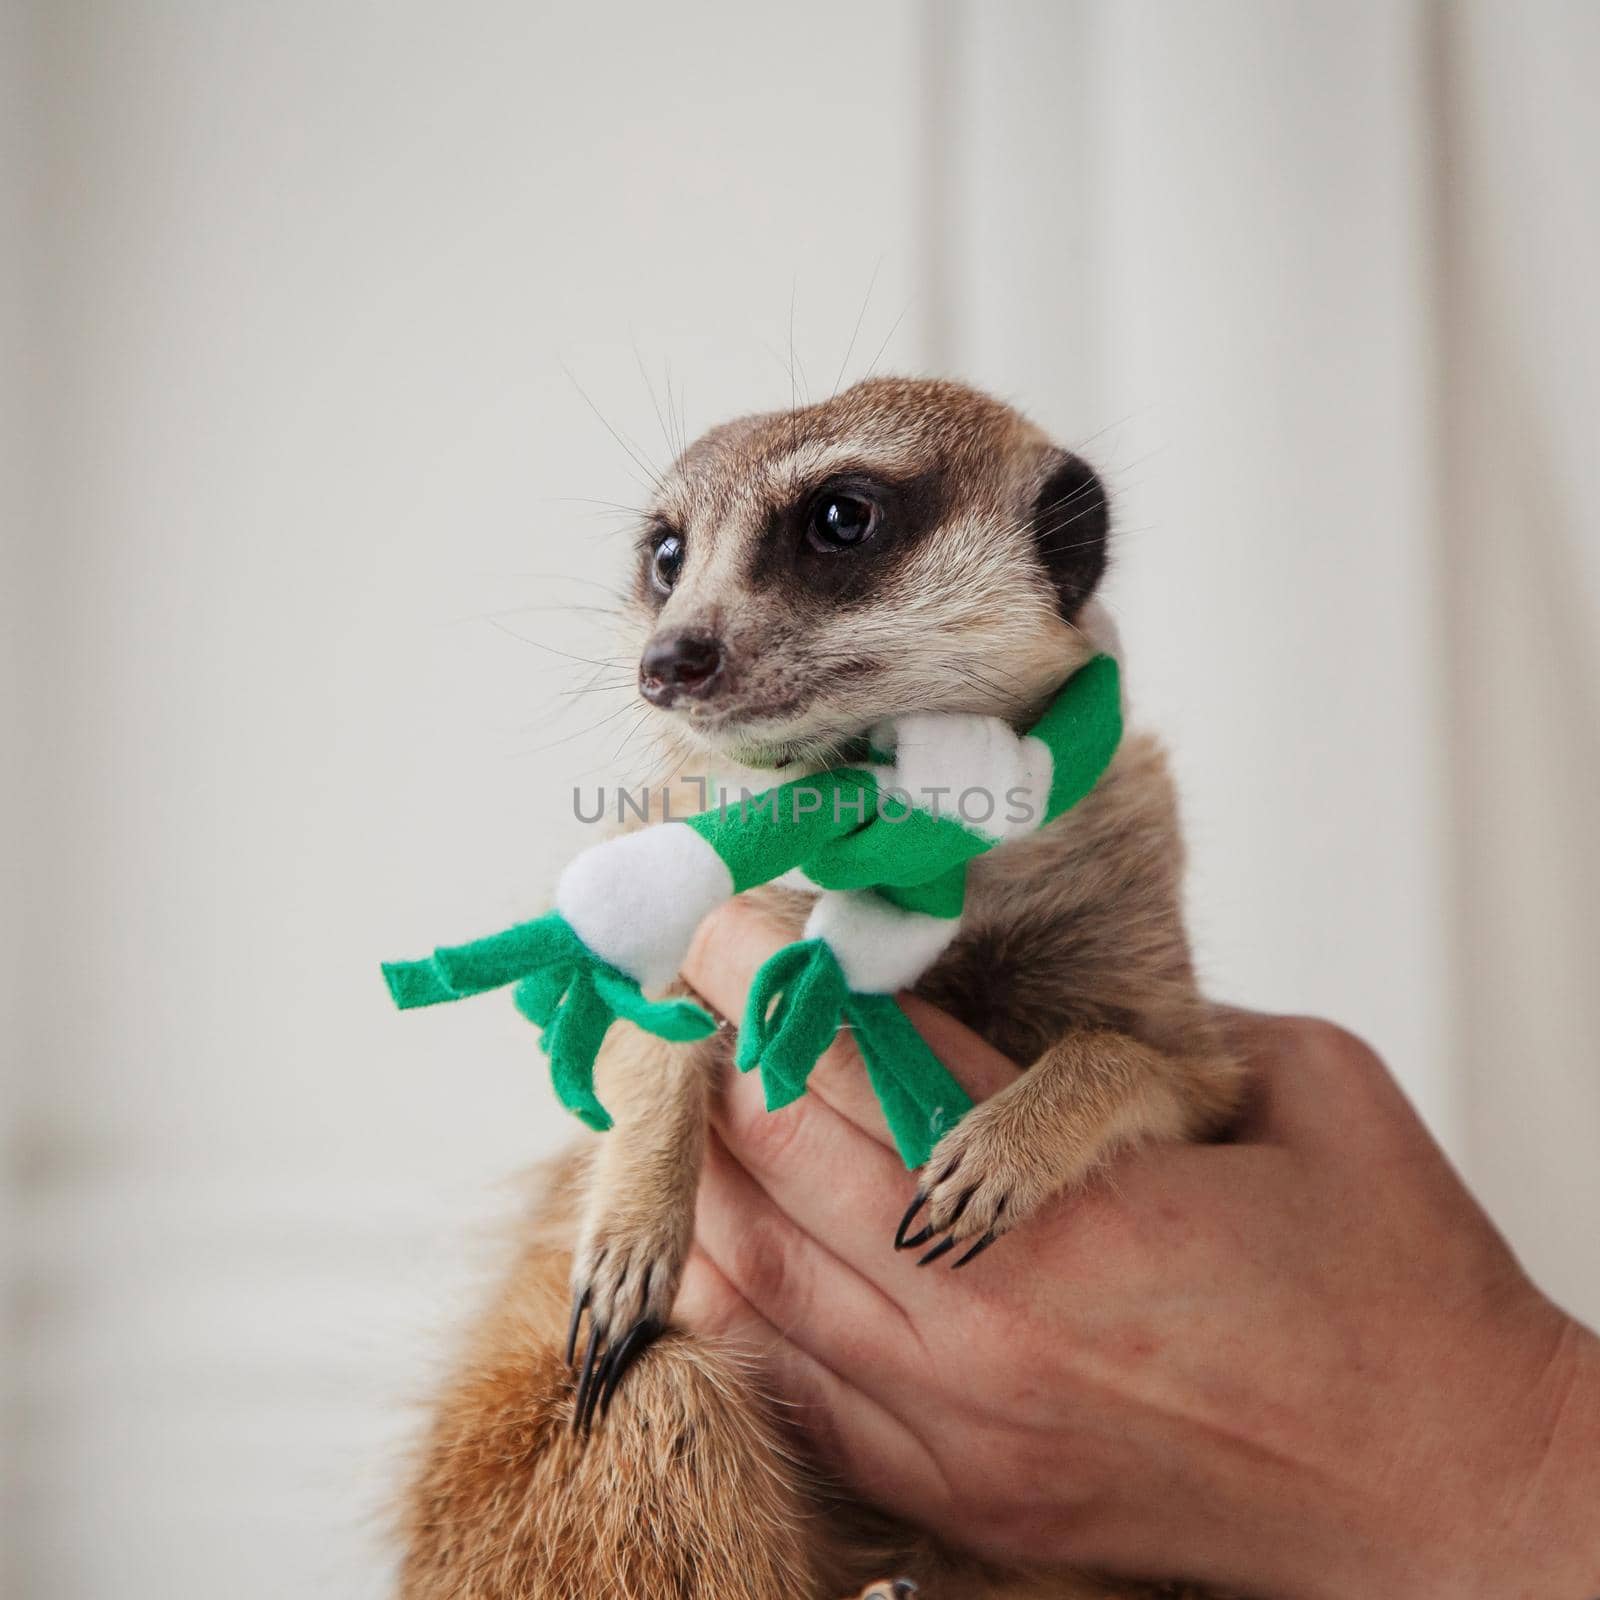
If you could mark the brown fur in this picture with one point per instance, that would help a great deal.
(1072, 956)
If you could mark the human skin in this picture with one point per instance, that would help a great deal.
(1301, 1363)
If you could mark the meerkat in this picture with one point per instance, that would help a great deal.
(907, 546)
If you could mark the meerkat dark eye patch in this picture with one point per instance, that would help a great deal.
(1070, 524)
(842, 535)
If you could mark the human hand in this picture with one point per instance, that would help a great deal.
(1299, 1364)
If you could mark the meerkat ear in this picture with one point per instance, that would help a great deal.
(1070, 524)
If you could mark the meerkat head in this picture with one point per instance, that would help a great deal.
(904, 546)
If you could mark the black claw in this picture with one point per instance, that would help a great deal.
(591, 1395)
(944, 1247)
(900, 1240)
(585, 1377)
(634, 1343)
(579, 1306)
(923, 1235)
(977, 1250)
(961, 1205)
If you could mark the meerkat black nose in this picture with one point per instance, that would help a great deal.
(678, 666)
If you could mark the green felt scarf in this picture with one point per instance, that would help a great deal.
(890, 864)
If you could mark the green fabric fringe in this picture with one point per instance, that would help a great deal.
(563, 987)
(797, 1003)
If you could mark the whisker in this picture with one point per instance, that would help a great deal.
(639, 721)
(566, 655)
(557, 577)
(567, 738)
(674, 416)
(849, 349)
(777, 355)
(602, 688)
(1121, 422)
(589, 500)
(794, 439)
(795, 361)
(893, 329)
(615, 612)
(650, 389)
(633, 454)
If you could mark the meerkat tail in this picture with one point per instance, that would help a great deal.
(686, 1491)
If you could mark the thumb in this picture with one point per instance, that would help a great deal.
(1313, 1085)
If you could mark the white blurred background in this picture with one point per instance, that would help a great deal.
(294, 471)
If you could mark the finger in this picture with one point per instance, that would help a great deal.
(1252, 1039)
(840, 1079)
(842, 1186)
(836, 1182)
(1317, 1087)
(975, 1064)
(728, 948)
(825, 1307)
(863, 1443)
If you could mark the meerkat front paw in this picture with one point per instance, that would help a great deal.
(1090, 1095)
(625, 1277)
(990, 1172)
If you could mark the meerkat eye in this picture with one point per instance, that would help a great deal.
(841, 521)
(666, 561)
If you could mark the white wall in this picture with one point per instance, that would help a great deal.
(304, 280)
(1230, 216)
(299, 285)
(14, 819)
(1519, 572)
